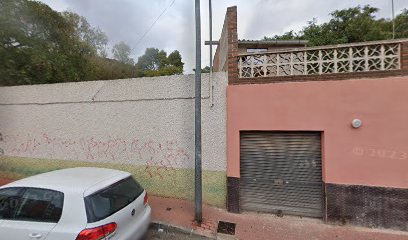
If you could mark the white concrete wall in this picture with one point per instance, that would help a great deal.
(144, 121)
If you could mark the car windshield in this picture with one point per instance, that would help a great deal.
(111, 199)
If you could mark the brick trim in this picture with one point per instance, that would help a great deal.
(323, 77)
(232, 36)
(404, 56)
(367, 206)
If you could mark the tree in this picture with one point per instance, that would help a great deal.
(100, 68)
(174, 59)
(38, 45)
(358, 24)
(204, 70)
(155, 62)
(93, 36)
(121, 52)
(286, 36)
(401, 24)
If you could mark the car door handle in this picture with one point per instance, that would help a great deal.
(35, 235)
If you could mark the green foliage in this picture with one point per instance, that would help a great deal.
(37, 45)
(95, 38)
(401, 24)
(286, 36)
(350, 25)
(100, 68)
(205, 70)
(155, 62)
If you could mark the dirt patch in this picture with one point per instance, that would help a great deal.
(4, 181)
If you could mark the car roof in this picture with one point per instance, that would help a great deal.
(70, 179)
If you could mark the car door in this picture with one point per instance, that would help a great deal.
(33, 215)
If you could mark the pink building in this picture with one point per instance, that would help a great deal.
(317, 132)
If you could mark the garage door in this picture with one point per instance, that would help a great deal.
(281, 172)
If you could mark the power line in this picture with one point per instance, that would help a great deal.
(393, 19)
(151, 26)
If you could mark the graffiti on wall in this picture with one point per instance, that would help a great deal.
(158, 156)
(1, 149)
(380, 153)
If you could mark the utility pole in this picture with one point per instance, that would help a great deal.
(393, 20)
(198, 181)
(211, 54)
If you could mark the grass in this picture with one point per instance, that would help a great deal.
(176, 183)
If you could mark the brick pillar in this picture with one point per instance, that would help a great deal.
(232, 68)
(232, 36)
(404, 55)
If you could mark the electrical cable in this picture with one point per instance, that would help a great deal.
(151, 26)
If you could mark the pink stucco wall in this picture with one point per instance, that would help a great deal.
(375, 154)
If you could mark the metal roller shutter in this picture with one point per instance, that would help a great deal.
(281, 172)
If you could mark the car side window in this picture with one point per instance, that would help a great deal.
(10, 199)
(40, 205)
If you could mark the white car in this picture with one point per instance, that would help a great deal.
(74, 204)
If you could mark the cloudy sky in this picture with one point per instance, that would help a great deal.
(128, 20)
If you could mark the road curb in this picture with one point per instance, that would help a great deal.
(169, 227)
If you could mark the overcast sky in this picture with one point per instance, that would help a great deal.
(128, 20)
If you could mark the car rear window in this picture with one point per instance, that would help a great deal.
(111, 199)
